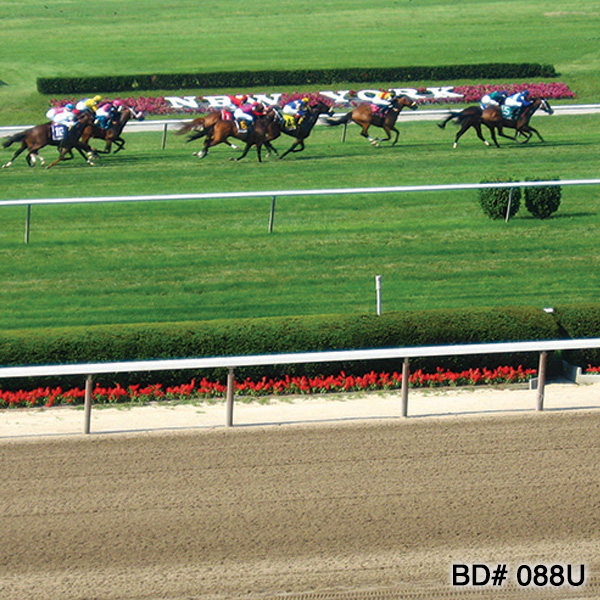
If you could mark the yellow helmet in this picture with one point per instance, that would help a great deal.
(97, 98)
(305, 100)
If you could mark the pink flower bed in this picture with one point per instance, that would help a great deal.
(205, 389)
(158, 105)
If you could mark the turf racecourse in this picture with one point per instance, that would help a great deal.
(214, 259)
(196, 260)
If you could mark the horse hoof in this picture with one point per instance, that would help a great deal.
(454, 145)
(486, 143)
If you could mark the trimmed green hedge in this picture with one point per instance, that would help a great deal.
(246, 79)
(286, 334)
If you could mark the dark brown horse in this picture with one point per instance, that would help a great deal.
(112, 134)
(73, 140)
(222, 129)
(300, 132)
(491, 117)
(364, 116)
(36, 138)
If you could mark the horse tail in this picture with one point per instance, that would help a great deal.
(336, 119)
(186, 127)
(18, 137)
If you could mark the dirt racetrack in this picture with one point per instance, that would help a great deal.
(372, 510)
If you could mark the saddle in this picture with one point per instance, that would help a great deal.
(226, 115)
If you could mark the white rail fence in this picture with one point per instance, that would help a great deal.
(274, 194)
(423, 114)
(232, 362)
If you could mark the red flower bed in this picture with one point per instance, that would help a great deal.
(592, 370)
(264, 387)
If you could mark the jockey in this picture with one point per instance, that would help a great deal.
(383, 101)
(90, 104)
(518, 102)
(496, 98)
(107, 112)
(243, 112)
(296, 108)
(63, 120)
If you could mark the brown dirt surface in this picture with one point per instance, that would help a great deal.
(372, 510)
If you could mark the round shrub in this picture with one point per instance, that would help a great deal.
(543, 201)
(494, 201)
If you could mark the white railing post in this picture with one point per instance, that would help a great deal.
(230, 386)
(541, 380)
(87, 405)
(404, 393)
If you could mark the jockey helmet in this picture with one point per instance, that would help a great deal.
(97, 98)
(69, 106)
(117, 103)
(305, 100)
(525, 93)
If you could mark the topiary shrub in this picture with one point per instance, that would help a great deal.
(543, 201)
(494, 201)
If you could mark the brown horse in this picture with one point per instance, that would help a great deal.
(112, 134)
(364, 116)
(36, 138)
(200, 125)
(491, 117)
(223, 129)
(300, 132)
(73, 140)
(203, 126)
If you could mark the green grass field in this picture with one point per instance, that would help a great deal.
(195, 260)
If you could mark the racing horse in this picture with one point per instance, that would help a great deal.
(36, 138)
(277, 126)
(365, 116)
(112, 134)
(84, 119)
(491, 117)
(223, 129)
(203, 126)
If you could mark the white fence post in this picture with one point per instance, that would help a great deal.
(405, 374)
(541, 380)
(87, 405)
(230, 386)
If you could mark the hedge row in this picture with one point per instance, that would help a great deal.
(299, 334)
(247, 79)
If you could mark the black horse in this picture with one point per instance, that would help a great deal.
(300, 132)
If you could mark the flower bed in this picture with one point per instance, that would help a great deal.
(210, 390)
